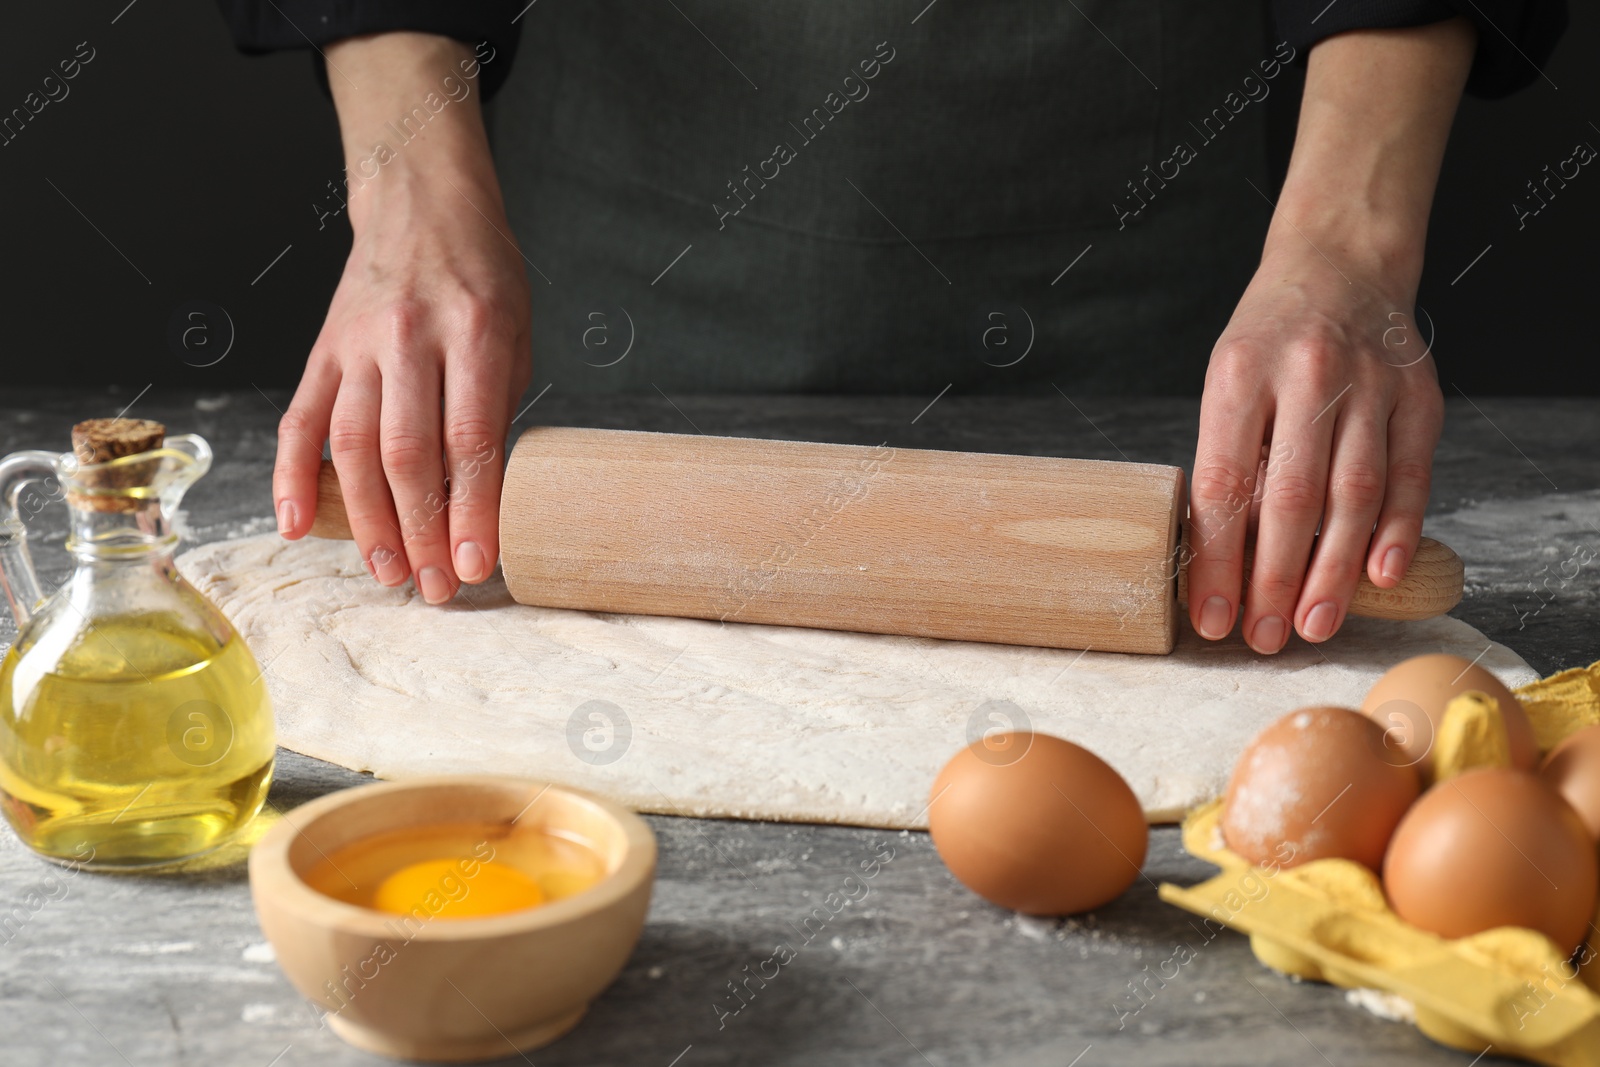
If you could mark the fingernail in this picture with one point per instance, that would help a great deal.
(286, 516)
(1320, 621)
(1269, 635)
(1394, 564)
(1214, 617)
(470, 563)
(434, 585)
(385, 566)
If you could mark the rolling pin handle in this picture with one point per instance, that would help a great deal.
(330, 521)
(1431, 587)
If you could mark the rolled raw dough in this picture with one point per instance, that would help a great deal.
(762, 722)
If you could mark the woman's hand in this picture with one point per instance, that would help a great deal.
(433, 304)
(1322, 406)
(1321, 409)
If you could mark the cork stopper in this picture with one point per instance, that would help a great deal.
(102, 440)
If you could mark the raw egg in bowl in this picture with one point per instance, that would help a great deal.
(454, 919)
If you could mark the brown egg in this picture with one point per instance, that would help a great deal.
(1493, 847)
(1573, 769)
(1037, 824)
(1315, 784)
(1410, 698)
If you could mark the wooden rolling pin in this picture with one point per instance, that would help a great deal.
(1024, 550)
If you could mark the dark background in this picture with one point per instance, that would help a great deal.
(201, 166)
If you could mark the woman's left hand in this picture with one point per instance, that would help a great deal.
(1321, 411)
(1322, 406)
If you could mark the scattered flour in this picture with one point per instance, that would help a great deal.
(261, 952)
(1383, 1005)
(163, 948)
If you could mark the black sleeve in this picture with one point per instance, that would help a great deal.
(261, 26)
(1515, 37)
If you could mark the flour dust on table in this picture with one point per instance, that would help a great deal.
(688, 717)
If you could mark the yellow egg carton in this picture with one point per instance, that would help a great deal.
(1511, 989)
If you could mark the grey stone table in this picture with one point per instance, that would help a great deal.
(171, 969)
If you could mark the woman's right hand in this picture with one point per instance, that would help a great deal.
(433, 305)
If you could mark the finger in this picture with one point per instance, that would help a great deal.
(1291, 506)
(1413, 434)
(1227, 457)
(413, 460)
(353, 442)
(475, 417)
(1355, 493)
(301, 432)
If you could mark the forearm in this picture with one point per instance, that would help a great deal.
(1375, 116)
(424, 351)
(410, 120)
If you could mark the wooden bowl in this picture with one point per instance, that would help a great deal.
(458, 990)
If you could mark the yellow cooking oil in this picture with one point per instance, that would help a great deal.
(457, 870)
(132, 740)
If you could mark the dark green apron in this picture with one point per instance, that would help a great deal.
(806, 196)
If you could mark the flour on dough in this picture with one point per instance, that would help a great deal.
(687, 717)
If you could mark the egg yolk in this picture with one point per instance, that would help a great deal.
(494, 889)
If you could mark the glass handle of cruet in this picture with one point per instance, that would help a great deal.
(28, 483)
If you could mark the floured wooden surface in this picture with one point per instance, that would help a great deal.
(745, 721)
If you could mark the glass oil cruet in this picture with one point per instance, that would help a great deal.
(135, 727)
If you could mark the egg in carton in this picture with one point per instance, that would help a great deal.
(1510, 989)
